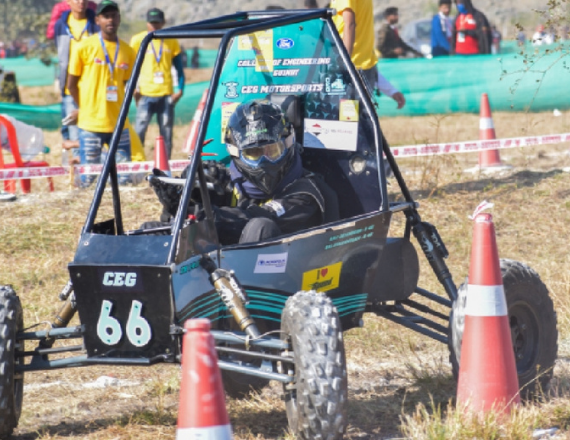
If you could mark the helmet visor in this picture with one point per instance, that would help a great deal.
(272, 152)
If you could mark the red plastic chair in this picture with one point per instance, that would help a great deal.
(10, 185)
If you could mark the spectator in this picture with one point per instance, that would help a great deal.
(359, 42)
(155, 92)
(184, 56)
(390, 44)
(195, 60)
(541, 37)
(57, 10)
(272, 193)
(564, 32)
(521, 38)
(441, 30)
(472, 33)
(310, 4)
(73, 26)
(496, 42)
(98, 71)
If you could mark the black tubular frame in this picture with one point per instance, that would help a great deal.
(227, 27)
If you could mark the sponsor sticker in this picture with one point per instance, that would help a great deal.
(285, 43)
(271, 263)
(227, 110)
(348, 110)
(335, 87)
(322, 279)
(330, 135)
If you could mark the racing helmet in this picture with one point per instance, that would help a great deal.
(261, 143)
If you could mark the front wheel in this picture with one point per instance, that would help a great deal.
(532, 320)
(11, 383)
(316, 401)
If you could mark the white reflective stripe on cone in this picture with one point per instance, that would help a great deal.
(209, 433)
(485, 301)
(486, 123)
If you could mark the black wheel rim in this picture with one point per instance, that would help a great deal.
(524, 335)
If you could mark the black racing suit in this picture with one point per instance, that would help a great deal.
(300, 205)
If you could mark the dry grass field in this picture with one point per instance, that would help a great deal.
(400, 383)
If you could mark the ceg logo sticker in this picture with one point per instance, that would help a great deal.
(323, 278)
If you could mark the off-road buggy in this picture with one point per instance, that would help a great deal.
(278, 308)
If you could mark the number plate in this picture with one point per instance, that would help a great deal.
(126, 311)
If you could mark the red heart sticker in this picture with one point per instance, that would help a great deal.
(324, 272)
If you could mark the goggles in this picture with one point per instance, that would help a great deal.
(272, 152)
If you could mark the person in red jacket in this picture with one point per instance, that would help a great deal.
(57, 11)
(472, 32)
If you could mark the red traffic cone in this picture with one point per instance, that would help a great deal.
(190, 142)
(487, 370)
(160, 156)
(487, 158)
(202, 410)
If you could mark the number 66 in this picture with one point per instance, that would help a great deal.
(109, 329)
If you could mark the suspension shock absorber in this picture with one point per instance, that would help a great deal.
(233, 296)
(64, 314)
(435, 252)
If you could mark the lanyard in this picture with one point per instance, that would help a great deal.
(68, 30)
(159, 57)
(111, 65)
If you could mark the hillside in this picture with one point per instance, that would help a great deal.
(500, 12)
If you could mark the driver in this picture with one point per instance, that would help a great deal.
(271, 193)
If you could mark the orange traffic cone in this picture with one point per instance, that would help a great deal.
(190, 142)
(487, 370)
(487, 158)
(160, 156)
(202, 410)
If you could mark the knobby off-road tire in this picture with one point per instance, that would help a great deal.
(532, 320)
(317, 400)
(11, 385)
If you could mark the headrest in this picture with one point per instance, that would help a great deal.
(292, 108)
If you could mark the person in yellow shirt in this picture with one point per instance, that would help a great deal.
(74, 25)
(355, 24)
(98, 70)
(155, 91)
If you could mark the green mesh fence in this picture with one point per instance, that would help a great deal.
(31, 72)
(436, 86)
(454, 84)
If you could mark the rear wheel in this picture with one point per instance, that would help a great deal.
(316, 401)
(11, 383)
(532, 320)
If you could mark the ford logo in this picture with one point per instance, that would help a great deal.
(285, 43)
